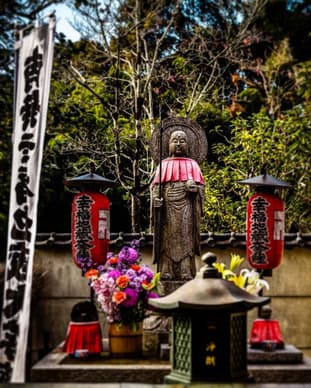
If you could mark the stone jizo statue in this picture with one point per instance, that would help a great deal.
(177, 197)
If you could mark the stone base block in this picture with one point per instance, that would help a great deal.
(288, 355)
(58, 367)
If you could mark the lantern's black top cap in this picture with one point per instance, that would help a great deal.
(90, 180)
(207, 294)
(265, 180)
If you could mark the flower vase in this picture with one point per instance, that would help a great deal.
(125, 340)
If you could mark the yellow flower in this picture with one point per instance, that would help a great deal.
(247, 279)
(228, 274)
(236, 261)
(220, 267)
(238, 280)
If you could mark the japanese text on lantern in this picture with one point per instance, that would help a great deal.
(83, 230)
(259, 241)
(210, 358)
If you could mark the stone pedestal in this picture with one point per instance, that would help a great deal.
(157, 336)
(289, 355)
(157, 328)
(58, 367)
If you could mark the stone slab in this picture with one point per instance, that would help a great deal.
(282, 373)
(135, 385)
(289, 355)
(58, 367)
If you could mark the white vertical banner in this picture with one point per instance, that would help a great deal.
(32, 79)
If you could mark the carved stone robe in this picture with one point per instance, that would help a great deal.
(179, 236)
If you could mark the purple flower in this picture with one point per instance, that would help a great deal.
(129, 255)
(86, 263)
(101, 268)
(136, 284)
(131, 273)
(114, 273)
(135, 244)
(146, 273)
(131, 298)
(152, 294)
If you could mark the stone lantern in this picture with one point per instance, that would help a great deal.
(209, 327)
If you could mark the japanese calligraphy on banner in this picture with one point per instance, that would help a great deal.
(32, 79)
(265, 231)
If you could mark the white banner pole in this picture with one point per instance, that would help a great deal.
(30, 111)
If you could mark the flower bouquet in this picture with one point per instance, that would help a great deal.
(247, 279)
(123, 286)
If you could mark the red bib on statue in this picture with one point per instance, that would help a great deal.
(179, 170)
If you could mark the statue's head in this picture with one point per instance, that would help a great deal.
(178, 145)
(162, 139)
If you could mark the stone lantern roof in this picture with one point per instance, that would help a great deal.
(90, 181)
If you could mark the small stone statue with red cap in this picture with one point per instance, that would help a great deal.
(266, 332)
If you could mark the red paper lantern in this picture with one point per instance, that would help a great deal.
(265, 230)
(90, 227)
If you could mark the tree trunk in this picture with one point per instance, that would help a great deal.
(135, 213)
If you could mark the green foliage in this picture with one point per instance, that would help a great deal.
(282, 147)
(251, 99)
(222, 207)
(303, 77)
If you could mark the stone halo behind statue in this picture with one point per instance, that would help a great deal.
(196, 138)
